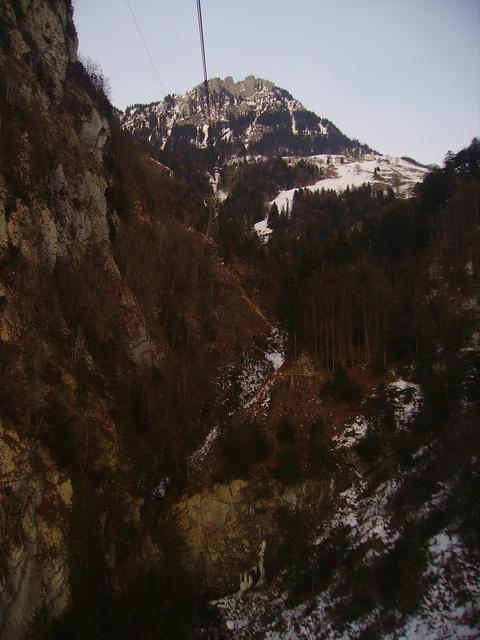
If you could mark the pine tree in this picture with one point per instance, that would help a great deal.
(273, 217)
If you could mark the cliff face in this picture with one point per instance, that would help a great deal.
(232, 531)
(47, 208)
(41, 39)
(252, 115)
(46, 198)
(116, 316)
(35, 497)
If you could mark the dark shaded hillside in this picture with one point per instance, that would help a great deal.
(361, 276)
(132, 294)
(116, 318)
(381, 300)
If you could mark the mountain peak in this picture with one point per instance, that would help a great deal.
(252, 115)
(246, 87)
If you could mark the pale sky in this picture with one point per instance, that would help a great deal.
(400, 75)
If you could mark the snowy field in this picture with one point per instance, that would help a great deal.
(399, 174)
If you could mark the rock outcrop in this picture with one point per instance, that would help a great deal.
(34, 501)
(43, 34)
(50, 209)
(232, 529)
(251, 115)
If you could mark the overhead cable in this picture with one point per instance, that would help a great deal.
(146, 48)
(205, 82)
(204, 61)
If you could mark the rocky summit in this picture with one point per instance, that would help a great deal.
(250, 116)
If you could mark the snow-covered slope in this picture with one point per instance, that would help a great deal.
(448, 577)
(390, 561)
(252, 115)
(381, 171)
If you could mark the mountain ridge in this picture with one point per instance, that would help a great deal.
(252, 116)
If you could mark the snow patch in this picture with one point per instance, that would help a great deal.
(198, 456)
(352, 434)
(399, 174)
(263, 230)
(258, 365)
(160, 490)
(406, 398)
(442, 613)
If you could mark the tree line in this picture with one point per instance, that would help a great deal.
(363, 276)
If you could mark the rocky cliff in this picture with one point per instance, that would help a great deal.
(251, 116)
(232, 530)
(38, 226)
(35, 499)
(116, 316)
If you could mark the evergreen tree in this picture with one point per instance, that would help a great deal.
(273, 216)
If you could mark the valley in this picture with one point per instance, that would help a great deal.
(240, 399)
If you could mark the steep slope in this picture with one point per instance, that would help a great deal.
(390, 560)
(116, 321)
(250, 116)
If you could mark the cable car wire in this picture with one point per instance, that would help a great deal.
(205, 84)
(204, 61)
(146, 48)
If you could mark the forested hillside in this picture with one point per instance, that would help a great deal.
(380, 299)
(357, 272)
